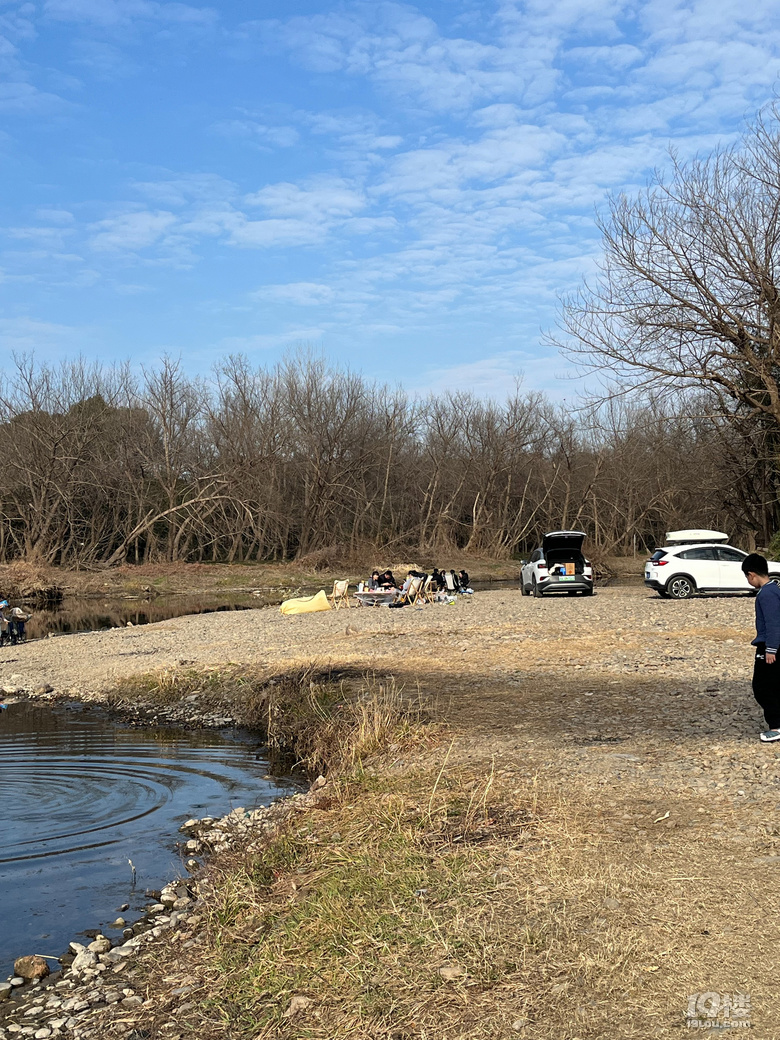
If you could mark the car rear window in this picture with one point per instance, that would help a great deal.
(658, 555)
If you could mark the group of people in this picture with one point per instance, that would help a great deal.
(13, 621)
(385, 580)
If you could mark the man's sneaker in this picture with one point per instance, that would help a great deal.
(770, 736)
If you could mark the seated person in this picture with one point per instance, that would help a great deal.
(387, 581)
(439, 580)
(463, 579)
(373, 581)
(406, 588)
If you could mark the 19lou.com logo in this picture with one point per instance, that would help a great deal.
(718, 1011)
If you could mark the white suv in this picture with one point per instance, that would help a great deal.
(558, 566)
(698, 561)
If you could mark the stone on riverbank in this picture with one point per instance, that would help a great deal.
(31, 967)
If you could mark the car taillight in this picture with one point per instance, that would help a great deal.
(542, 566)
(660, 563)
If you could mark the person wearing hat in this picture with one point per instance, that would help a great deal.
(16, 624)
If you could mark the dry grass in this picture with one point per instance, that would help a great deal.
(327, 720)
(438, 905)
(331, 724)
(231, 685)
(32, 582)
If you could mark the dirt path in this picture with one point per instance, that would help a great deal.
(633, 711)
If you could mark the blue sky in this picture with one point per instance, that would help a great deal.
(405, 187)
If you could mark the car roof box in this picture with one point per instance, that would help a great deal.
(694, 535)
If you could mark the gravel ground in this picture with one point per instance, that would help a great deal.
(620, 631)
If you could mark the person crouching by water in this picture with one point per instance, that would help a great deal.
(17, 623)
(766, 669)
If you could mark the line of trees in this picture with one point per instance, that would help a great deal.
(98, 465)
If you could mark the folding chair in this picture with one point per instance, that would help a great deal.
(340, 594)
(415, 593)
(449, 577)
(429, 590)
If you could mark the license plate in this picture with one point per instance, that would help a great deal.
(566, 577)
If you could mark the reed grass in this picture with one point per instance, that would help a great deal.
(327, 720)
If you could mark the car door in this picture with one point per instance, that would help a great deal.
(703, 566)
(731, 576)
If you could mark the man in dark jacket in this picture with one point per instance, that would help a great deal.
(766, 669)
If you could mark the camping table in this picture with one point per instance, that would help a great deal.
(376, 597)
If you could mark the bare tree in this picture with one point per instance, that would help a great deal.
(688, 298)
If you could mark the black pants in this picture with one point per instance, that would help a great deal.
(766, 687)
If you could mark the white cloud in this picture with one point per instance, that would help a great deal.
(55, 216)
(318, 201)
(178, 191)
(120, 13)
(22, 98)
(303, 336)
(258, 133)
(131, 231)
(265, 234)
(24, 334)
(302, 294)
(499, 375)
(418, 180)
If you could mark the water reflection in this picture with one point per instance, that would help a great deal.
(88, 614)
(81, 797)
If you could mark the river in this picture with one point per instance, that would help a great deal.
(84, 798)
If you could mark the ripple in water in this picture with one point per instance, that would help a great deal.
(80, 797)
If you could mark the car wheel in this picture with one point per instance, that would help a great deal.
(680, 588)
(587, 592)
(536, 590)
(523, 587)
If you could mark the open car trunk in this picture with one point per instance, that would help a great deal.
(565, 556)
(564, 548)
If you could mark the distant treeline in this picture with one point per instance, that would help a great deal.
(300, 460)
